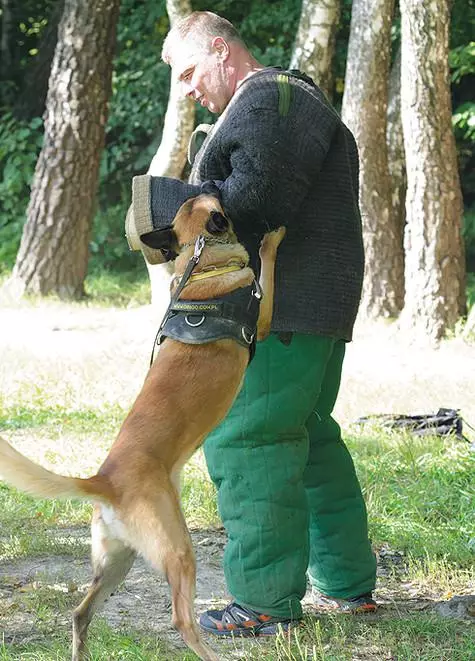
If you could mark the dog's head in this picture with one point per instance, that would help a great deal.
(202, 215)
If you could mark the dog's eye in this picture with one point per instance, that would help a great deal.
(217, 223)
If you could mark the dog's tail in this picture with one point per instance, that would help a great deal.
(32, 478)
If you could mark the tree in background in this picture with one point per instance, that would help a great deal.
(54, 249)
(315, 41)
(365, 113)
(435, 263)
(170, 157)
(141, 94)
(396, 156)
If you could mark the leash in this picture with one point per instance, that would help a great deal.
(199, 246)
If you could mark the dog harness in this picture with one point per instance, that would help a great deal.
(232, 316)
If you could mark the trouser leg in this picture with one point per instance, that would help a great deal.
(341, 562)
(257, 458)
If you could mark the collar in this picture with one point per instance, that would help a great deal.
(208, 241)
(213, 271)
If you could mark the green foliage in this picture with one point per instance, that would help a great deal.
(468, 232)
(139, 100)
(20, 144)
(462, 66)
(108, 247)
(463, 121)
(29, 20)
(462, 61)
(140, 86)
(271, 46)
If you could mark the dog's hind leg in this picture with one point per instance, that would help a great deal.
(161, 535)
(111, 561)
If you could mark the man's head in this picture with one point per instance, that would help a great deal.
(208, 57)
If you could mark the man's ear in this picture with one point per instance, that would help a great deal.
(217, 223)
(160, 239)
(221, 46)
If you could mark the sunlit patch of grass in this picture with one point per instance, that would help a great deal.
(199, 494)
(470, 289)
(419, 493)
(37, 413)
(333, 638)
(119, 289)
(33, 527)
(443, 577)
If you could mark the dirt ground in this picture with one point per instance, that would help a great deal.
(62, 349)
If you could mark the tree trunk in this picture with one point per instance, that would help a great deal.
(315, 41)
(365, 112)
(170, 157)
(53, 254)
(32, 98)
(435, 263)
(396, 156)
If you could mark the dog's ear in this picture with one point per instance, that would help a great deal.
(160, 239)
(217, 223)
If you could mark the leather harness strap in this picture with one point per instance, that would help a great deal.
(232, 316)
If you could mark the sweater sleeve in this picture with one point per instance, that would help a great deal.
(276, 145)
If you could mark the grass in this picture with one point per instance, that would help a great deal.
(119, 288)
(64, 411)
(420, 495)
(405, 638)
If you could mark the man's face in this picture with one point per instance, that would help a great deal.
(204, 76)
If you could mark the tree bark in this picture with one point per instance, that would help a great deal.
(396, 156)
(435, 263)
(53, 253)
(170, 157)
(365, 112)
(315, 41)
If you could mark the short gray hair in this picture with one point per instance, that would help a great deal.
(195, 28)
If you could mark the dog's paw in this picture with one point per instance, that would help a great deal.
(271, 240)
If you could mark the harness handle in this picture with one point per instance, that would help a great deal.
(199, 247)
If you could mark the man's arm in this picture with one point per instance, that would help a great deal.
(275, 152)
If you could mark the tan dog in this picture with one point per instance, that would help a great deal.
(187, 392)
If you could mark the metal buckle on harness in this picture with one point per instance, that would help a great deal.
(193, 324)
(247, 337)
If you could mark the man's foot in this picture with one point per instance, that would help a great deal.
(362, 604)
(235, 620)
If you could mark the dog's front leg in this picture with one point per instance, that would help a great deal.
(268, 254)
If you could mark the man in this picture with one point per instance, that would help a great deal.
(287, 490)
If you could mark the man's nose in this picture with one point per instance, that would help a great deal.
(187, 90)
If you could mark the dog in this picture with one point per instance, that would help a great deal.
(188, 390)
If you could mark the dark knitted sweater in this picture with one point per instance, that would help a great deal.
(280, 155)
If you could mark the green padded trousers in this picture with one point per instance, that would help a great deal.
(288, 494)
